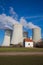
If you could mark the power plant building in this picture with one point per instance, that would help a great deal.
(25, 34)
(6, 41)
(17, 36)
(36, 34)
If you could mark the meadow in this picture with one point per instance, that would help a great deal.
(22, 60)
(21, 49)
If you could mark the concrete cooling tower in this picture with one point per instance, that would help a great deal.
(25, 34)
(36, 34)
(6, 41)
(17, 36)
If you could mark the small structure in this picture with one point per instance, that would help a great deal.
(28, 42)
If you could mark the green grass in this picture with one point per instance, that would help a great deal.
(21, 49)
(21, 60)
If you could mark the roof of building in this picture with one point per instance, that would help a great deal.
(28, 40)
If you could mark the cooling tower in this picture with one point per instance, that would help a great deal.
(36, 34)
(17, 36)
(25, 35)
(6, 41)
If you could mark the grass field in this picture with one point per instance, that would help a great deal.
(21, 49)
(21, 60)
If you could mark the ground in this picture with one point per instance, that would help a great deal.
(20, 53)
(21, 56)
(22, 60)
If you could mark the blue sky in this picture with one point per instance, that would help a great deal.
(31, 10)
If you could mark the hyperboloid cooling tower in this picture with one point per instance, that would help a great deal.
(36, 34)
(25, 34)
(6, 41)
(17, 36)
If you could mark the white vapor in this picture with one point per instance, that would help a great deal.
(23, 22)
(6, 22)
(29, 25)
(13, 13)
(9, 21)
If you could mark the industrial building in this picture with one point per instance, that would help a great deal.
(25, 34)
(7, 36)
(17, 36)
(36, 34)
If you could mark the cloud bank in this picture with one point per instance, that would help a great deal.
(9, 21)
(29, 25)
(23, 22)
(6, 21)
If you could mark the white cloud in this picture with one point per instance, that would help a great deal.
(23, 22)
(13, 13)
(31, 25)
(6, 21)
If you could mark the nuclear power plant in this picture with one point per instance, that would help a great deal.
(17, 35)
(13, 37)
(36, 34)
(7, 37)
(25, 34)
